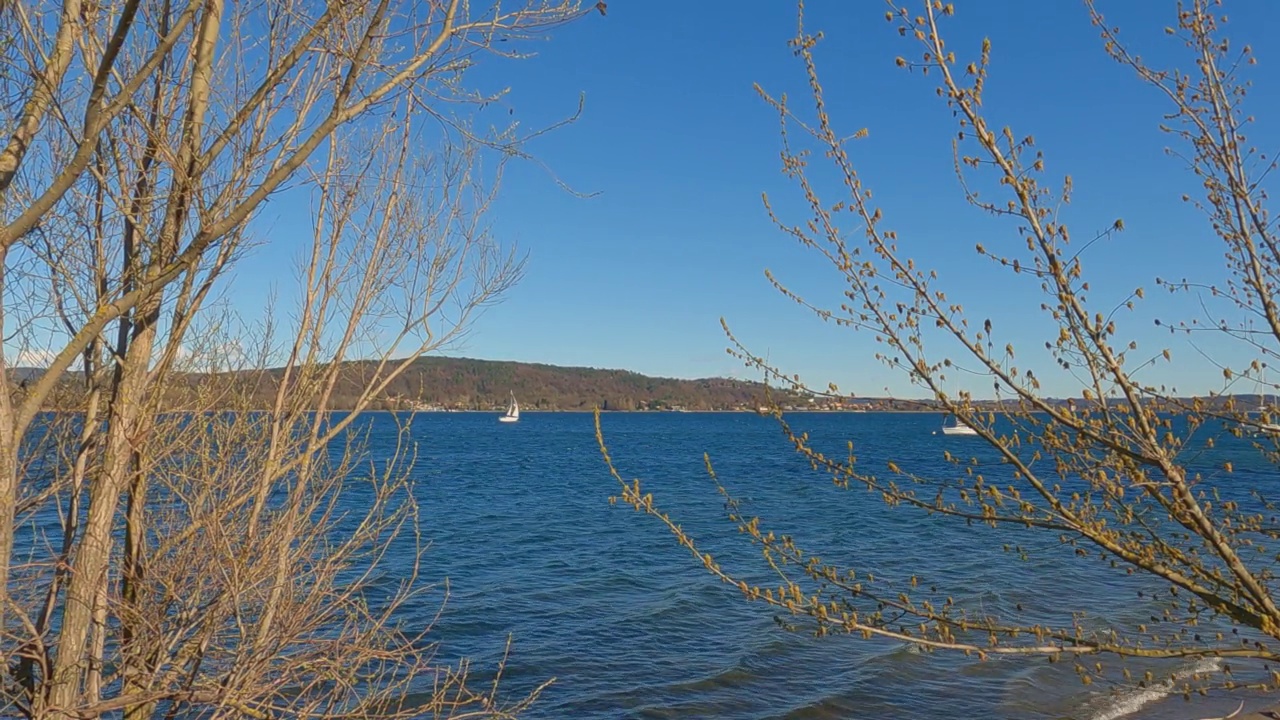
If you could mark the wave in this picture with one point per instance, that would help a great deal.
(1128, 702)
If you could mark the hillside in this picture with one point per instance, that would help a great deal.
(467, 384)
(483, 384)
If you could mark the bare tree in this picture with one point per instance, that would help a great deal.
(167, 548)
(1106, 474)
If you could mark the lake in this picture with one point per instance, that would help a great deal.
(603, 600)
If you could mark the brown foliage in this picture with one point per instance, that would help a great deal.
(466, 384)
(160, 560)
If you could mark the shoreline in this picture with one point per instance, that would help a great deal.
(1221, 707)
(532, 411)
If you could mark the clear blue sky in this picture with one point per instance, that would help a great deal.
(679, 148)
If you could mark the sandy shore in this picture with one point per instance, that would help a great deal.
(1218, 707)
(1254, 709)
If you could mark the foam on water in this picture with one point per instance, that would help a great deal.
(1131, 701)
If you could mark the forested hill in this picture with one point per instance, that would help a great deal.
(438, 383)
(461, 383)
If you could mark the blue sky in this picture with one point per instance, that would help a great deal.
(679, 148)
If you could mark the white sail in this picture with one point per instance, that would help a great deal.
(513, 411)
(1265, 428)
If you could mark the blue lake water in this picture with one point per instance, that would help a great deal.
(604, 601)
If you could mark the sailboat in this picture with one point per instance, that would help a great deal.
(513, 411)
(959, 427)
(1265, 428)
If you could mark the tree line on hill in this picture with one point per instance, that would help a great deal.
(467, 384)
(443, 383)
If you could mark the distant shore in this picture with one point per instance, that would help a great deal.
(433, 384)
(532, 411)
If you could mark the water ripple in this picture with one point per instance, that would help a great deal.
(603, 599)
